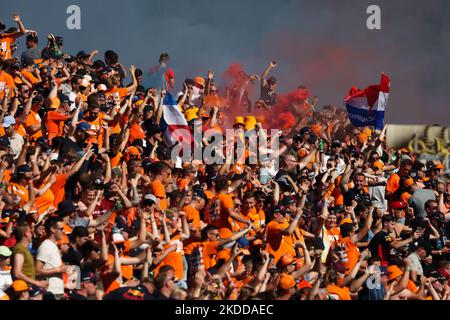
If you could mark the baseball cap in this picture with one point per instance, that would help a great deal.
(87, 276)
(200, 81)
(35, 291)
(8, 121)
(19, 286)
(398, 205)
(278, 209)
(200, 194)
(43, 142)
(346, 221)
(394, 272)
(64, 98)
(23, 169)
(286, 281)
(408, 182)
(65, 207)
(149, 199)
(101, 87)
(287, 201)
(84, 83)
(117, 238)
(286, 260)
(83, 126)
(5, 252)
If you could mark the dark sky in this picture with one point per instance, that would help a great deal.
(322, 44)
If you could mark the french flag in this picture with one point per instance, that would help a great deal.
(366, 107)
(173, 123)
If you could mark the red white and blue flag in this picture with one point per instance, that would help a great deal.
(366, 107)
(173, 123)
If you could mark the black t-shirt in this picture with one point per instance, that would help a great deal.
(139, 292)
(269, 97)
(359, 196)
(380, 246)
(72, 257)
(76, 296)
(160, 296)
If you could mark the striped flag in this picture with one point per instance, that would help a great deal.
(366, 107)
(173, 123)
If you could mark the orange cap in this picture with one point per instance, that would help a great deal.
(286, 260)
(286, 281)
(132, 151)
(19, 286)
(362, 137)
(394, 272)
(378, 165)
(200, 81)
(408, 182)
(346, 220)
(439, 166)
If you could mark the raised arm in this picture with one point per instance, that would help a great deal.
(132, 87)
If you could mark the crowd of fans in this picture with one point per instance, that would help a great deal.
(94, 207)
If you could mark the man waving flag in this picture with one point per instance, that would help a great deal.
(366, 107)
(173, 123)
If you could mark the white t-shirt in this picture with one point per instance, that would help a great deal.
(415, 263)
(49, 254)
(5, 279)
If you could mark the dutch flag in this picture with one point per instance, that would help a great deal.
(366, 107)
(173, 123)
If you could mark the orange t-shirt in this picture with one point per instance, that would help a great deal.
(95, 132)
(342, 293)
(45, 201)
(58, 188)
(173, 259)
(54, 121)
(136, 132)
(192, 216)
(33, 119)
(6, 40)
(22, 192)
(157, 188)
(279, 244)
(116, 160)
(122, 92)
(217, 211)
(6, 80)
(393, 183)
(352, 252)
(29, 77)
